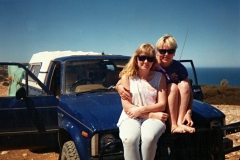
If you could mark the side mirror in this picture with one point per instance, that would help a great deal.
(21, 93)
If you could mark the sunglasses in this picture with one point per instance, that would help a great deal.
(164, 51)
(143, 58)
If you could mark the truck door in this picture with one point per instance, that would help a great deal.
(28, 115)
(192, 75)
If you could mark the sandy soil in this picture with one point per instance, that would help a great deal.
(232, 113)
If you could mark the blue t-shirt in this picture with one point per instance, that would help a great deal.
(175, 72)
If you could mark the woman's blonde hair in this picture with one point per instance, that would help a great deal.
(131, 67)
(167, 39)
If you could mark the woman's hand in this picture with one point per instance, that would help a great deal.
(134, 112)
(188, 120)
(159, 115)
(124, 93)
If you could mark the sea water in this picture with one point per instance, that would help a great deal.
(214, 76)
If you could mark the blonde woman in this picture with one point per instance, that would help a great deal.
(179, 91)
(138, 124)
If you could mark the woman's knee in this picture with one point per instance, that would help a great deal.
(129, 132)
(130, 140)
(149, 139)
(183, 84)
(184, 87)
(152, 130)
(172, 89)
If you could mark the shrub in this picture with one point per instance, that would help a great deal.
(224, 82)
(227, 95)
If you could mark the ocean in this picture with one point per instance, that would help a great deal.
(214, 76)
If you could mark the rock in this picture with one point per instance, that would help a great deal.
(4, 152)
(24, 154)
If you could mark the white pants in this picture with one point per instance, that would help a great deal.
(149, 131)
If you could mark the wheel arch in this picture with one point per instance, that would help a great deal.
(74, 134)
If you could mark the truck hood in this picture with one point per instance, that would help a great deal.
(95, 110)
(206, 110)
(204, 114)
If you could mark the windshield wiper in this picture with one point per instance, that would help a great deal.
(97, 90)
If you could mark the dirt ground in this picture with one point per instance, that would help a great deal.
(232, 115)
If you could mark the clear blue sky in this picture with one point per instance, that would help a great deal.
(120, 26)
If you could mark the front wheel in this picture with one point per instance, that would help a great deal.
(69, 151)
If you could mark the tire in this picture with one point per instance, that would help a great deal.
(69, 151)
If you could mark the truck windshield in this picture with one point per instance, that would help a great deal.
(92, 74)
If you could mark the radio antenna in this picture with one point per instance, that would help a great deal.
(183, 46)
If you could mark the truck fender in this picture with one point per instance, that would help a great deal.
(75, 133)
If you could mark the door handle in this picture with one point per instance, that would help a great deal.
(60, 114)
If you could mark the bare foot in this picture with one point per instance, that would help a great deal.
(176, 129)
(187, 128)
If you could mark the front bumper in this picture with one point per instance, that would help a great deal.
(230, 129)
(103, 155)
(205, 143)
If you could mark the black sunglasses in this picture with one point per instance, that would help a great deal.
(143, 58)
(164, 51)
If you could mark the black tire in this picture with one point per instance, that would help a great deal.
(69, 151)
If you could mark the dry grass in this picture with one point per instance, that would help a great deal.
(227, 99)
(224, 95)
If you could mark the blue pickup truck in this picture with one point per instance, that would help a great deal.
(67, 100)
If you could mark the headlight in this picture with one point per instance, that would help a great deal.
(218, 122)
(224, 121)
(215, 123)
(94, 145)
(104, 140)
(107, 139)
(224, 124)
